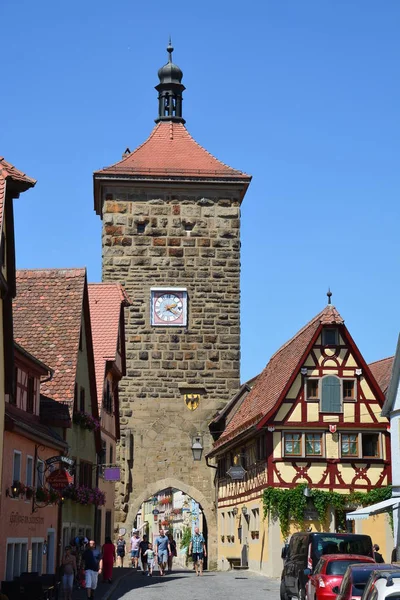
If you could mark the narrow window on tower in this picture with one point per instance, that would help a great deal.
(141, 227)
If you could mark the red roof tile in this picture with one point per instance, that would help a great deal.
(20, 181)
(47, 321)
(272, 382)
(382, 371)
(170, 150)
(105, 301)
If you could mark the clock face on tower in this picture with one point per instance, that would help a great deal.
(169, 307)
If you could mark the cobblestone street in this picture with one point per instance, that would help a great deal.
(184, 585)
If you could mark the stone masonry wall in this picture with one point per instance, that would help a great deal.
(190, 241)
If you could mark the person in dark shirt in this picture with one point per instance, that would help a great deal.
(377, 556)
(143, 547)
(93, 566)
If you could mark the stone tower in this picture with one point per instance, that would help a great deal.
(171, 236)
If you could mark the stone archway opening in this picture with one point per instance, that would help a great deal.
(177, 511)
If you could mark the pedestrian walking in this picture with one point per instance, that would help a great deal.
(149, 554)
(108, 559)
(135, 541)
(93, 562)
(172, 545)
(377, 555)
(69, 572)
(163, 550)
(197, 548)
(120, 551)
(143, 547)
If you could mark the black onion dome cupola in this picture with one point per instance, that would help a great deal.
(170, 91)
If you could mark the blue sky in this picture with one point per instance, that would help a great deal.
(304, 95)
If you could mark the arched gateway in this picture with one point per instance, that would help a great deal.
(171, 236)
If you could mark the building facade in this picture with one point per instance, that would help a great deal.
(52, 320)
(12, 183)
(29, 523)
(171, 234)
(312, 417)
(107, 303)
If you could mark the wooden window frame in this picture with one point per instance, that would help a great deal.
(323, 336)
(17, 453)
(86, 474)
(321, 442)
(303, 453)
(30, 395)
(29, 458)
(312, 398)
(301, 441)
(379, 444)
(359, 441)
(354, 397)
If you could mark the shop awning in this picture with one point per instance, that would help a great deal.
(373, 509)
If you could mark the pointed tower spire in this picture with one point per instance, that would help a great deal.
(170, 90)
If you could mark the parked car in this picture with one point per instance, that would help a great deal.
(355, 579)
(329, 573)
(305, 550)
(383, 584)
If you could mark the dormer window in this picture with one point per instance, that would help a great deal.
(330, 336)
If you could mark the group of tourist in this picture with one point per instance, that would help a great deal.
(84, 562)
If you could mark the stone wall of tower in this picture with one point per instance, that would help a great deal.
(192, 240)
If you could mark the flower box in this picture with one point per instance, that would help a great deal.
(86, 421)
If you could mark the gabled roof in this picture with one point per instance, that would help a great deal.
(170, 152)
(11, 176)
(47, 322)
(275, 380)
(382, 371)
(106, 301)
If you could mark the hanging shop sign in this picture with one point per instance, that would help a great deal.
(156, 511)
(60, 479)
(112, 474)
(60, 459)
(237, 472)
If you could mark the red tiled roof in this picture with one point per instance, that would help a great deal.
(170, 150)
(272, 382)
(47, 321)
(9, 173)
(382, 371)
(105, 301)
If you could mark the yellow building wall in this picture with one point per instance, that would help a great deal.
(82, 444)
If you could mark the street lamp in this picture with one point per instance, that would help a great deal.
(197, 447)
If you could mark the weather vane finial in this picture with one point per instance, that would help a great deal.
(329, 294)
(170, 49)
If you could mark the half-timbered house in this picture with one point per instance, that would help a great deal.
(313, 416)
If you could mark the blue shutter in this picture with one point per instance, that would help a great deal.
(331, 396)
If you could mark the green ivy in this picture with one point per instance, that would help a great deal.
(289, 504)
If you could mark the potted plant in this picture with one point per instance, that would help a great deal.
(29, 491)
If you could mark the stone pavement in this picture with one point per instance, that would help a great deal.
(104, 590)
(184, 585)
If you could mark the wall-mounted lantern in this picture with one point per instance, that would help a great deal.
(197, 447)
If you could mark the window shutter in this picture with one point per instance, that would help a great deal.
(331, 397)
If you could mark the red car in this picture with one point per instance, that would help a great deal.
(328, 574)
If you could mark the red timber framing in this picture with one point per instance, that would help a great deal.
(359, 413)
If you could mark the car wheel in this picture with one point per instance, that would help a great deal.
(283, 592)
